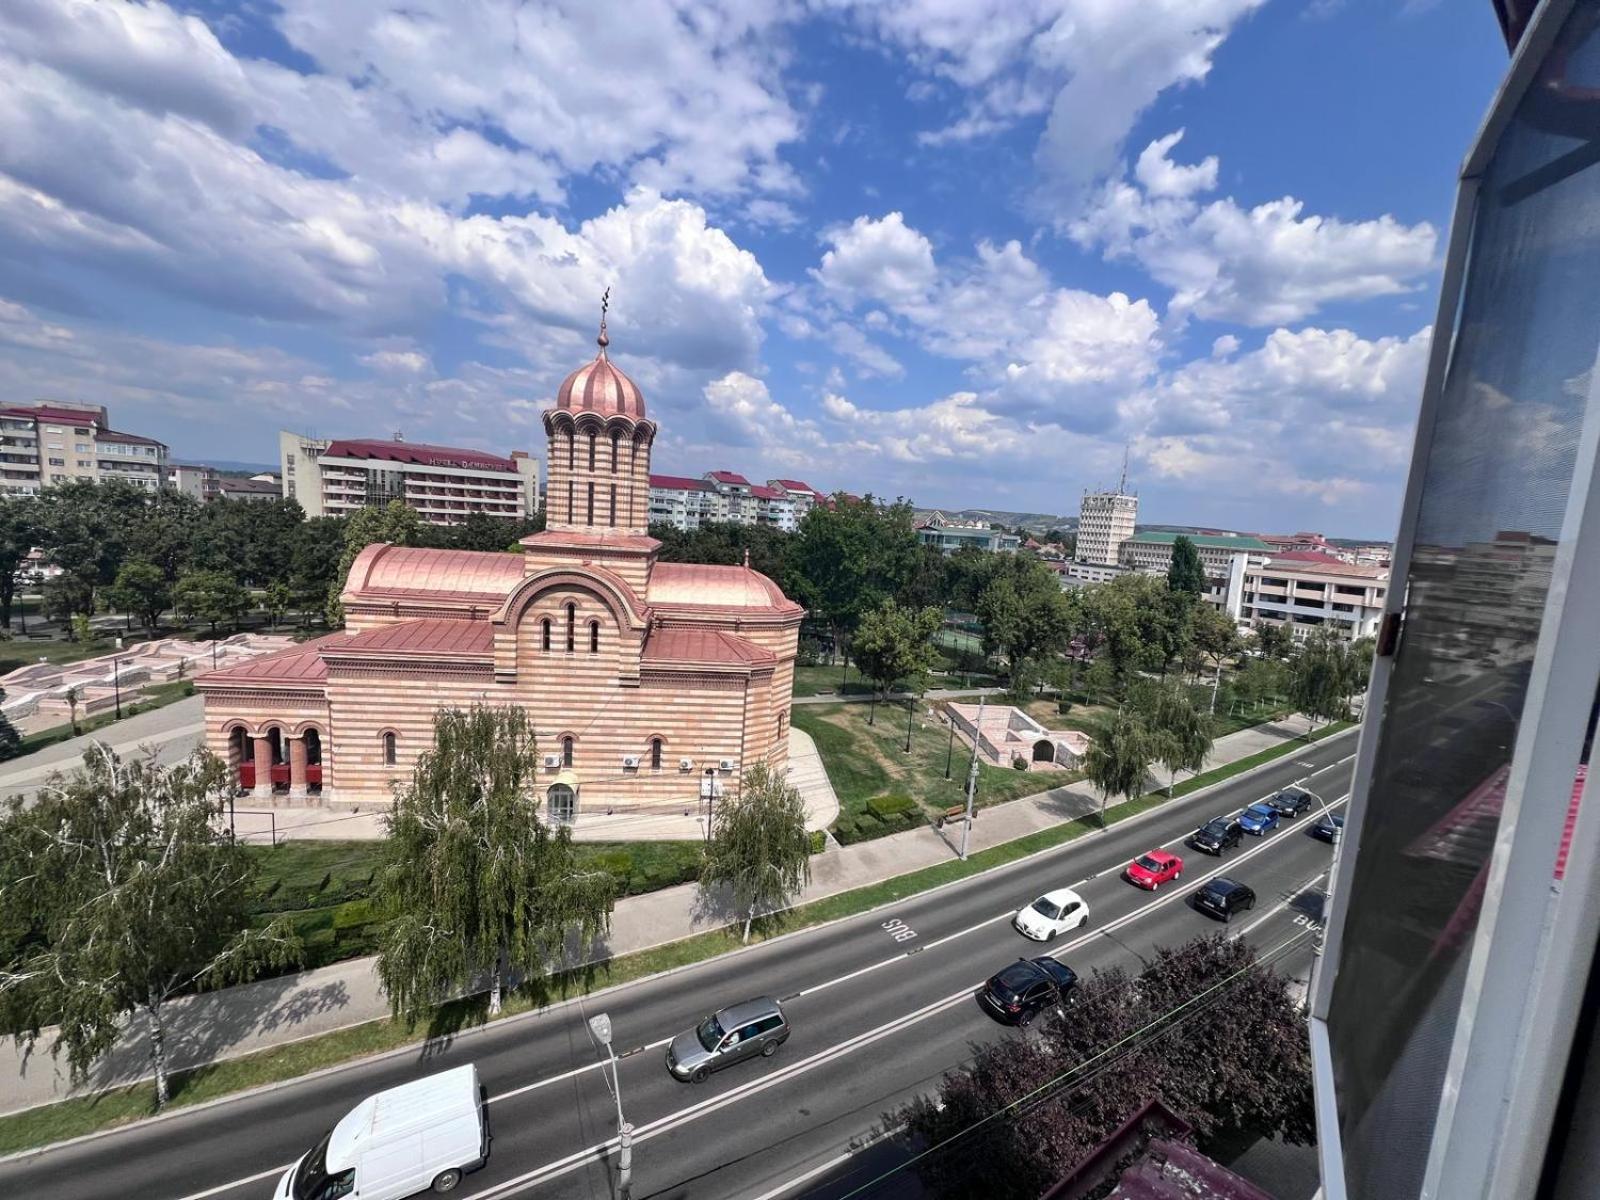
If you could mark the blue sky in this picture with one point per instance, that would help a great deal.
(965, 251)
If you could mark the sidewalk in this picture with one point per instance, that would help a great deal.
(255, 1016)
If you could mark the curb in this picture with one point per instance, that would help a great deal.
(411, 1047)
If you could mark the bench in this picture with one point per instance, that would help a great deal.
(41, 637)
(955, 813)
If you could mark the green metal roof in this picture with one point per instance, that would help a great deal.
(1200, 539)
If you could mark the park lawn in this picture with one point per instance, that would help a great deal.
(23, 651)
(826, 681)
(882, 789)
(324, 888)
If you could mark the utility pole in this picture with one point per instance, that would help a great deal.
(600, 1026)
(972, 780)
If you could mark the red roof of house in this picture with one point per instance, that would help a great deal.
(766, 493)
(442, 637)
(795, 485)
(132, 439)
(1290, 562)
(419, 454)
(732, 477)
(703, 647)
(67, 416)
(679, 483)
(1311, 556)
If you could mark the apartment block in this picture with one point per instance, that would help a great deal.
(445, 484)
(726, 496)
(1105, 521)
(948, 536)
(1311, 591)
(1224, 557)
(50, 443)
(207, 483)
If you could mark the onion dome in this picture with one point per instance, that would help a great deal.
(599, 387)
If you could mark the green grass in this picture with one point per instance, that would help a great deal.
(865, 762)
(824, 681)
(23, 651)
(119, 1106)
(1259, 758)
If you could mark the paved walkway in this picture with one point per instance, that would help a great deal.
(255, 1016)
(171, 731)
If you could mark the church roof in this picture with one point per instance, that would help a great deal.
(680, 646)
(297, 664)
(703, 585)
(599, 386)
(443, 637)
(412, 572)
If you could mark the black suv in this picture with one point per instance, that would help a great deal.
(1292, 801)
(1019, 993)
(1216, 835)
(1223, 897)
(1329, 829)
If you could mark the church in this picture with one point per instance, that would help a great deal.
(652, 686)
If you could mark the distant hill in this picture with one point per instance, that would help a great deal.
(1034, 522)
(228, 465)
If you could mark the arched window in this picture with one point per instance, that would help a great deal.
(566, 751)
(572, 449)
(591, 451)
(655, 754)
(616, 436)
(572, 518)
(389, 750)
(594, 637)
(572, 612)
(783, 721)
(544, 634)
(563, 804)
(612, 520)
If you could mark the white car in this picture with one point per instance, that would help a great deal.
(1052, 913)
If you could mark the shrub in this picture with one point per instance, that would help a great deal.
(1063, 706)
(892, 805)
(819, 841)
(352, 914)
(1019, 763)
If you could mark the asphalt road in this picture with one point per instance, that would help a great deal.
(881, 1005)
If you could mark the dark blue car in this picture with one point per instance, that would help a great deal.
(1258, 818)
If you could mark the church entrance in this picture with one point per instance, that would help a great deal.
(562, 804)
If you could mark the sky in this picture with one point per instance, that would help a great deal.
(969, 252)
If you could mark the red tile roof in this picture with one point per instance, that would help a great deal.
(732, 477)
(1310, 556)
(419, 454)
(703, 646)
(795, 485)
(66, 416)
(1286, 562)
(132, 439)
(704, 585)
(442, 637)
(387, 572)
(766, 493)
(298, 664)
(679, 483)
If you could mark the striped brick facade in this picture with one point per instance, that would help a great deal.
(640, 667)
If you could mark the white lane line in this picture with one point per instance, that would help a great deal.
(856, 974)
(238, 1183)
(683, 1116)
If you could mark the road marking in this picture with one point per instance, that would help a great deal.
(898, 929)
(602, 1148)
(693, 1112)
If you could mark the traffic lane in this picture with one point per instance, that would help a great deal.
(556, 1041)
(749, 1117)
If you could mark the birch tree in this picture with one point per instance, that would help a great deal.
(119, 891)
(476, 887)
(759, 847)
(1119, 760)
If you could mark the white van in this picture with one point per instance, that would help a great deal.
(419, 1136)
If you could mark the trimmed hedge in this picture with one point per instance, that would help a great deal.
(890, 806)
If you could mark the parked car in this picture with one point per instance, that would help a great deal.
(727, 1036)
(1020, 992)
(1292, 801)
(1223, 897)
(1052, 913)
(1153, 868)
(1216, 835)
(1258, 819)
(1330, 828)
(421, 1136)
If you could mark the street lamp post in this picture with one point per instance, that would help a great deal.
(116, 678)
(911, 712)
(600, 1026)
(950, 749)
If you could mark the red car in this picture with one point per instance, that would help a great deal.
(1152, 869)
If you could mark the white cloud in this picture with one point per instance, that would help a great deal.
(1092, 65)
(880, 259)
(745, 413)
(1259, 266)
(398, 362)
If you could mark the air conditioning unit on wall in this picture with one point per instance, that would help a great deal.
(630, 762)
(686, 764)
(552, 760)
(725, 764)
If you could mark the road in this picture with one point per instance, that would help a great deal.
(881, 1006)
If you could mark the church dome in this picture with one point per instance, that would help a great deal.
(599, 387)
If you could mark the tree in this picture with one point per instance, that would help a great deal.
(72, 696)
(278, 599)
(1272, 639)
(1026, 616)
(895, 643)
(1181, 732)
(19, 534)
(1118, 762)
(1129, 618)
(759, 848)
(474, 884)
(1213, 637)
(1323, 675)
(1186, 576)
(211, 596)
(118, 892)
(140, 588)
(1025, 1111)
(10, 739)
(847, 557)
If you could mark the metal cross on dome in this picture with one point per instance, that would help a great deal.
(605, 305)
